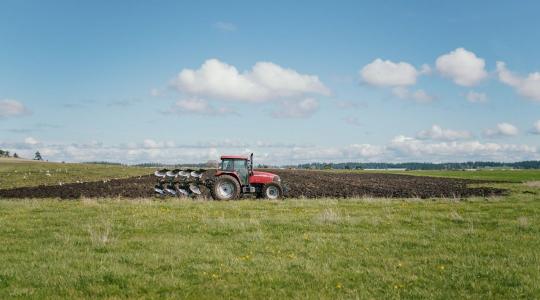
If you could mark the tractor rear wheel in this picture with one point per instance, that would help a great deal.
(225, 187)
(272, 191)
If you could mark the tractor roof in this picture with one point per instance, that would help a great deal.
(234, 157)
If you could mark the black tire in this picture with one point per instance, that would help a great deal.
(272, 191)
(225, 187)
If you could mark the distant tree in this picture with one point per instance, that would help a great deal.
(2, 153)
(15, 155)
(37, 156)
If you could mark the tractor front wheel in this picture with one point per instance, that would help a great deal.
(272, 191)
(225, 187)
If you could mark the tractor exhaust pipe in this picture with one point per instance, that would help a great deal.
(251, 164)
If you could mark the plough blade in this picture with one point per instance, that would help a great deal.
(195, 189)
(179, 182)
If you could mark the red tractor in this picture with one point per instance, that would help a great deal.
(235, 176)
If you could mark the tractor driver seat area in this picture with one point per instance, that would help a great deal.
(228, 165)
(240, 166)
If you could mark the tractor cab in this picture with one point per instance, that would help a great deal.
(236, 176)
(239, 165)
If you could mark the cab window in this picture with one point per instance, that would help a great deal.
(240, 165)
(227, 165)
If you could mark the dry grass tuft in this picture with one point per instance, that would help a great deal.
(533, 184)
(456, 217)
(101, 234)
(523, 222)
(328, 215)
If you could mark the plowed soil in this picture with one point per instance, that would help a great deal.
(299, 183)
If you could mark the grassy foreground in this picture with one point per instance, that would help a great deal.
(359, 248)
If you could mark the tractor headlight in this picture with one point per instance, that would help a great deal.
(277, 179)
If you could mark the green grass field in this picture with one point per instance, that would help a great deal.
(357, 248)
(499, 175)
(20, 173)
(496, 175)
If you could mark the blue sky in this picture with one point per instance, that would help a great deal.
(293, 81)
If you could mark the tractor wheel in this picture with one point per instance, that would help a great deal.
(225, 187)
(272, 191)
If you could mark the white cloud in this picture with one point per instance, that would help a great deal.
(302, 154)
(296, 108)
(12, 108)
(475, 97)
(415, 150)
(31, 141)
(363, 151)
(225, 26)
(385, 73)
(502, 129)
(536, 128)
(462, 66)
(149, 143)
(438, 133)
(398, 76)
(399, 149)
(152, 144)
(528, 87)
(196, 106)
(419, 96)
(265, 81)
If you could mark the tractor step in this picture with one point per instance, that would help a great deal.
(248, 189)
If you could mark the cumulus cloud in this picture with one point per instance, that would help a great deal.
(151, 150)
(265, 81)
(415, 149)
(438, 133)
(398, 76)
(475, 97)
(152, 144)
(419, 96)
(399, 149)
(528, 87)
(31, 141)
(385, 73)
(195, 106)
(296, 108)
(12, 108)
(462, 66)
(502, 130)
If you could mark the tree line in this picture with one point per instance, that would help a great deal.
(6, 153)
